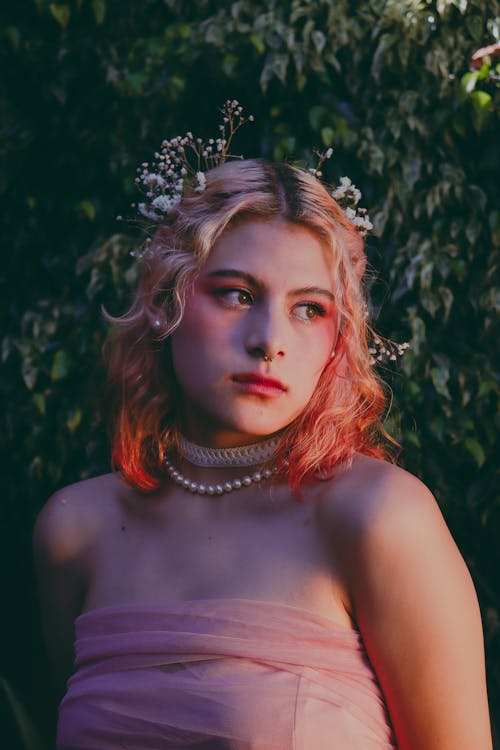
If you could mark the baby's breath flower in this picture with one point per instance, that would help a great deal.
(338, 194)
(165, 203)
(146, 210)
(355, 194)
(153, 180)
(182, 163)
(200, 187)
(385, 350)
(348, 196)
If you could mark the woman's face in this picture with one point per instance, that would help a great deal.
(266, 289)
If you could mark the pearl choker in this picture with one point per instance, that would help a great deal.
(217, 489)
(218, 458)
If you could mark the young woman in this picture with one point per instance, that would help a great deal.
(256, 574)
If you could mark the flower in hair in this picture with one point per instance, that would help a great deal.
(182, 162)
(382, 350)
(346, 194)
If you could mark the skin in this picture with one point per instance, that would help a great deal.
(245, 304)
(368, 548)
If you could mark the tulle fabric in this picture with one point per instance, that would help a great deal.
(220, 674)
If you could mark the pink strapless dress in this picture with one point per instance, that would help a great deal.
(220, 674)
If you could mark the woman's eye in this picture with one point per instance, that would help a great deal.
(310, 311)
(235, 297)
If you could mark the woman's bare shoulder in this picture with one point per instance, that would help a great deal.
(74, 516)
(376, 498)
(388, 533)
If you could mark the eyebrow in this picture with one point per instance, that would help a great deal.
(225, 273)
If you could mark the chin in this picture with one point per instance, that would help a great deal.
(246, 422)
(255, 428)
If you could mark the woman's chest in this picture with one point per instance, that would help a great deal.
(281, 555)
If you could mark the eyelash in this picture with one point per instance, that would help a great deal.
(319, 310)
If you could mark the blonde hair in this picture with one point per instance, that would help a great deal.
(343, 415)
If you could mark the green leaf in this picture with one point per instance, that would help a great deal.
(418, 331)
(413, 388)
(469, 80)
(481, 100)
(74, 419)
(29, 373)
(386, 41)
(426, 275)
(99, 8)
(476, 450)
(327, 136)
(376, 159)
(413, 439)
(61, 13)
(88, 209)
(486, 387)
(6, 348)
(316, 116)
(258, 43)
(60, 365)
(411, 171)
(440, 377)
(229, 65)
(319, 40)
(475, 27)
(13, 35)
(482, 103)
(447, 297)
(39, 401)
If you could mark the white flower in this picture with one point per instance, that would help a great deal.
(345, 182)
(339, 193)
(363, 222)
(146, 210)
(350, 213)
(202, 180)
(165, 203)
(153, 180)
(355, 194)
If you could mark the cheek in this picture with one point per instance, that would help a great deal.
(316, 346)
(195, 341)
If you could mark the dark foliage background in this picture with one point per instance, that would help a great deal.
(89, 88)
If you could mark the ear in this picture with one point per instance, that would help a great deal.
(156, 319)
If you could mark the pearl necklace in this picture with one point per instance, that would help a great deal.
(218, 458)
(217, 489)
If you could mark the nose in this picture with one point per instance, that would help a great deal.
(265, 337)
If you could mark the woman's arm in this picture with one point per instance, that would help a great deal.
(416, 607)
(59, 541)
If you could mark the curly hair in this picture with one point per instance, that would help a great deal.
(343, 416)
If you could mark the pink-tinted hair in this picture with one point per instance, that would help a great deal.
(343, 417)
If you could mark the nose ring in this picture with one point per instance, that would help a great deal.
(267, 358)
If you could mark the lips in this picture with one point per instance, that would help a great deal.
(259, 384)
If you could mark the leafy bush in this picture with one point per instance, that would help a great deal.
(90, 90)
